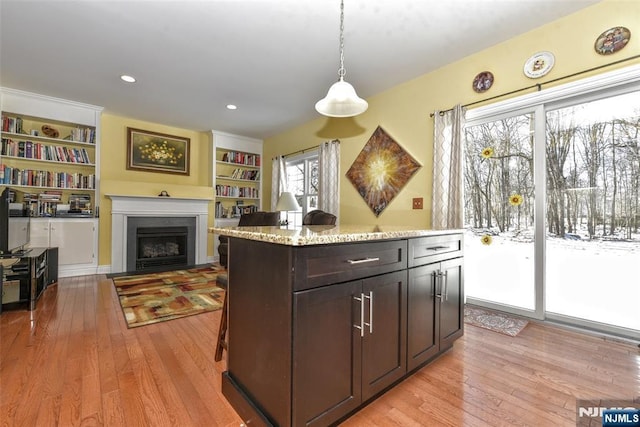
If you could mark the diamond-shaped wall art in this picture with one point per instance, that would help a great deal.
(381, 170)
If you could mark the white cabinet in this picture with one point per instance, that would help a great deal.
(75, 238)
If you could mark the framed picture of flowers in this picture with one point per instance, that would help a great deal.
(157, 152)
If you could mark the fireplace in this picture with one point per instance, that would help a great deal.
(157, 242)
(128, 213)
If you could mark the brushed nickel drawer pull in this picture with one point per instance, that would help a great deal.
(445, 292)
(437, 248)
(362, 261)
(361, 326)
(370, 298)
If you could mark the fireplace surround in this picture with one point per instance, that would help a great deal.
(150, 212)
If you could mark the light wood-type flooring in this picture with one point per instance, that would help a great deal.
(73, 362)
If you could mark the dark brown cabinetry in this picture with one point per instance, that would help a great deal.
(317, 331)
(436, 296)
(434, 314)
(349, 344)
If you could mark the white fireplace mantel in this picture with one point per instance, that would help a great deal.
(123, 207)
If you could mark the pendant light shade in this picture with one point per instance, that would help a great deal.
(342, 99)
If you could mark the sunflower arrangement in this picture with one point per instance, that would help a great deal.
(486, 239)
(487, 153)
(515, 200)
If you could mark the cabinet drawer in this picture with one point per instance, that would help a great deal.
(323, 265)
(10, 291)
(425, 250)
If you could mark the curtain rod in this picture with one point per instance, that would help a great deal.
(539, 85)
(300, 151)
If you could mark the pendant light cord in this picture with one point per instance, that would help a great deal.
(341, 71)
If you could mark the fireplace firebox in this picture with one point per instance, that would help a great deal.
(155, 243)
(160, 246)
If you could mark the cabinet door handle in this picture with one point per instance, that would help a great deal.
(370, 298)
(362, 261)
(436, 282)
(361, 327)
(445, 277)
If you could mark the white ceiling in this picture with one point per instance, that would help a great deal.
(272, 58)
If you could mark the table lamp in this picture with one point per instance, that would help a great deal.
(287, 202)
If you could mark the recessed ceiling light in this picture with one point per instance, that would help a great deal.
(231, 107)
(128, 79)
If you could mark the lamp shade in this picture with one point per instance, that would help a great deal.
(287, 202)
(341, 101)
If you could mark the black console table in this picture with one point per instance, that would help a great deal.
(26, 279)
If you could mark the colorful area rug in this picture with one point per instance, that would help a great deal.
(494, 321)
(156, 297)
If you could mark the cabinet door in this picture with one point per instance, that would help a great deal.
(75, 240)
(384, 357)
(39, 233)
(422, 335)
(326, 354)
(451, 303)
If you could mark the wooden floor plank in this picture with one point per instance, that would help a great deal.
(73, 361)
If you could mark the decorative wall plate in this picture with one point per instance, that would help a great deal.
(483, 81)
(539, 64)
(612, 40)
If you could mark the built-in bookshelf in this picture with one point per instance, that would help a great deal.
(237, 178)
(237, 175)
(49, 150)
(50, 157)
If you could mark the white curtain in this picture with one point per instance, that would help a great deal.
(329, 177)
(447, 202)
(278, 180)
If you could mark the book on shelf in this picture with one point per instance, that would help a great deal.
(241, 158)
(11, 124)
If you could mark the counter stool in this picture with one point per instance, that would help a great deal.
(221, 343)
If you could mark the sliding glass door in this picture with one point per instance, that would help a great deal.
(499, 212)
(552, 205)
(593, 211)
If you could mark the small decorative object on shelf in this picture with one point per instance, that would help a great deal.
(50, 131)
(164, 193)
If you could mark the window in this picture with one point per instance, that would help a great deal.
(302, 181)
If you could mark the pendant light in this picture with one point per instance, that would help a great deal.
(342, 99)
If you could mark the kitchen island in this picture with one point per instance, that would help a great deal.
(324, 319)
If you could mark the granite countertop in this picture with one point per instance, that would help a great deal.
(325, 234)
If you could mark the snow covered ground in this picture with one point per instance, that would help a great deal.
(597, 280)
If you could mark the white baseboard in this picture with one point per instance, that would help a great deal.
(76, 270)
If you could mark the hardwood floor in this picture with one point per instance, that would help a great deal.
(73, 361)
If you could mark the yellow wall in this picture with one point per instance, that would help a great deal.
(116, 179)
(404, 110)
